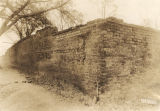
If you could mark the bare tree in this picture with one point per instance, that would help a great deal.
(69, 18)
(27, 15)
(108, 8)
(27, 26)
(104, 5)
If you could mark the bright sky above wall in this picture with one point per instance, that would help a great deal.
(138, 12)
(132, 11)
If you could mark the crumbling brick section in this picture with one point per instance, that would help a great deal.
(87, 56)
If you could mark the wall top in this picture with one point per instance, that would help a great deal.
(98, 21)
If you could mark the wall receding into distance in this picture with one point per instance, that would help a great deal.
(86, 55)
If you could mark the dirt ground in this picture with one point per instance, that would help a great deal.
(16, 94)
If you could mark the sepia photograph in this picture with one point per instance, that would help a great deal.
(79, 55)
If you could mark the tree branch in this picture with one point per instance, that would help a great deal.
(44, 11)
(4, 26)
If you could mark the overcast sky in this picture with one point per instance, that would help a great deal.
(131, 11)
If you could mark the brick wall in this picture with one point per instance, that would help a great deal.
(87, 55)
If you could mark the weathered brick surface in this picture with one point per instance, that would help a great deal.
(88, 54)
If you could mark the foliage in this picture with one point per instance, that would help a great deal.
(26, 16)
